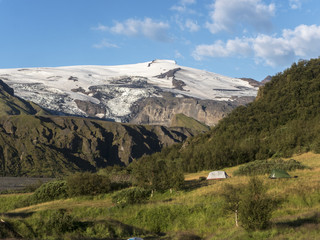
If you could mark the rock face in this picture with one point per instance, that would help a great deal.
(143, 93)
(161, 110)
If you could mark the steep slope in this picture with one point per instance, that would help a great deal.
(33, 144)
(11, 105)
(52, 146)
(125, 93)
(181, 120)
(283, 120)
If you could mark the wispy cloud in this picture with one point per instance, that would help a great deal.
(192, 26)
(100, 27)
(182, 6)
(301, 42)
(155, 30)
(227, 15)
(295, 4)
(105, 44)
(177, 55)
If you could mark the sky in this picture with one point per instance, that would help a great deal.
(236, 38)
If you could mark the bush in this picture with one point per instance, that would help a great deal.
(131, 196)
(52, 223)
(80, 184)
(256, 206)
(50, 191)
(46, 192)
(260, 167)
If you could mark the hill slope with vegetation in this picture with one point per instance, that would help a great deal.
(283, 120)
(35, 143)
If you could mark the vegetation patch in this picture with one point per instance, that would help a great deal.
(131, 196)
(261, 167)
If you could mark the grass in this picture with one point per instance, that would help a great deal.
(194, 213)
(181, 120)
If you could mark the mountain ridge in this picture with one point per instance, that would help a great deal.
(112, 92)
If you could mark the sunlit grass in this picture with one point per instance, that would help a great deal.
(199, 210)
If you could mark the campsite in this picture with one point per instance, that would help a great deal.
(195, 212)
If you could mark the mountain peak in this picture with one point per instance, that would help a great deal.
(112, 92)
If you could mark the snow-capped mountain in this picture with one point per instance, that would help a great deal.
(149, 92)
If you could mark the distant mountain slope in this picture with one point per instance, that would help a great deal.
(283, 120)
(52, 146)
(181, 120)
(125, 93)
(33, 144)
(11, 105)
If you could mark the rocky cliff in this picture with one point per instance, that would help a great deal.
(161, 110)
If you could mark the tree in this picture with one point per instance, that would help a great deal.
(232, 196)
(157, 174)
(87, 184)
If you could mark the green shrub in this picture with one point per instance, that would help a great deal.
(52, 223)
(50, 191)
(131, 196)
(260, 167)
(80, 184)
(46, 192)
(256, 206)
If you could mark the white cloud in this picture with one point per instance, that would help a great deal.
(295, 4)
(227, 15)
(177, 54)
(192, 26)
(301, 42)
(147, 28)
(100, 27)
(240, 47)
(105, 44)
(185, 2)
(182, 6)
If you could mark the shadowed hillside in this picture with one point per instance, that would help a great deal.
(34, 144)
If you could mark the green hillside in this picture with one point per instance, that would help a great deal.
(181, 120)
(53, 146)
(283, 120)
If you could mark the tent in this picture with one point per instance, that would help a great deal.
(278, 173)
(217, 175)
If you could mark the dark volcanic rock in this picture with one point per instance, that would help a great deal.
(90, 108)
(169, 73)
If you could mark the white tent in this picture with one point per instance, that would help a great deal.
(217, 175)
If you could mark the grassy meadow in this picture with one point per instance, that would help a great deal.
(196, 212)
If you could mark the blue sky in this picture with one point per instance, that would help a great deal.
(237, 38)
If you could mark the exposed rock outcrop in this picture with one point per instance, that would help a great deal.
(161, 110)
